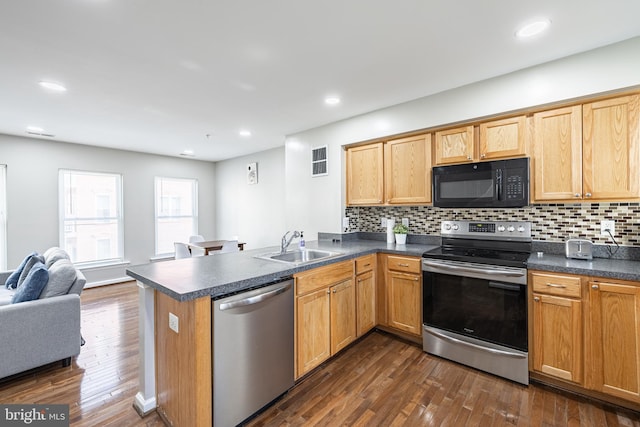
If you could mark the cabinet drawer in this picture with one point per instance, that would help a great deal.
(406, 264)
(321, 277)
(365, 263)
(554, 284)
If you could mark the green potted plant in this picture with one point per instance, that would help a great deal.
(401, 230)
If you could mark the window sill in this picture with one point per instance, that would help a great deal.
(100, 265)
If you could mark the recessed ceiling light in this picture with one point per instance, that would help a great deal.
(245, 133)
(56, 87)
(34, 129)
(332, 100)
(187, 153)
(533, 28)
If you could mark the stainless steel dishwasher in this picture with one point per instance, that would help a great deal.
(252, 351)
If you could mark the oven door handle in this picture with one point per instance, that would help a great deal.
(463, 269)
(472, 345)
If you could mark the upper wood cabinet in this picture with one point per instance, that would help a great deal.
(497, 139)
(394, 172)
(557, 154)
(613, 338)
(503, 138)
(454, 146)
(588, 152)
(611, 148)
(407, 170)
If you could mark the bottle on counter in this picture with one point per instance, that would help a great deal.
(301, 243)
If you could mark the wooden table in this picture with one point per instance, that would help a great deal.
(212, 245)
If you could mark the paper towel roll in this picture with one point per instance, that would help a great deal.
(390, 235)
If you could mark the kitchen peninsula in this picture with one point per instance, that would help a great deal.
(186, 287)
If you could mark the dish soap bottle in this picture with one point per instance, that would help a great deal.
(301, 243)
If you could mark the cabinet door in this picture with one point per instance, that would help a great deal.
(454, 146)
(557, 337)
(365, 177)
(366, 300)
(404, 298)
(503, 138)
(611, 148)
(407, 170)
(614, 338)
(343, 317)
(313, 333)
(557, 158)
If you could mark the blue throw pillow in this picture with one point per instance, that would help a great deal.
(12, 280)
(33, 285)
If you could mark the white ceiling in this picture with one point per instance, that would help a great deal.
(159, 75)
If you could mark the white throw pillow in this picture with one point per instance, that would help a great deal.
(62, 274)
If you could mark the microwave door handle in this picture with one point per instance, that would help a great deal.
(499, 184)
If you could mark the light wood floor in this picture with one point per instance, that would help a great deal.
(380, 381)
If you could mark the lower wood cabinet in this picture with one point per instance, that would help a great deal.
(586, 331)
(404, 294)
(365, 294)
(325, 317)
(557, 326)
(613, 338)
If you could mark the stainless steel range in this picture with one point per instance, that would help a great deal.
(475, 296)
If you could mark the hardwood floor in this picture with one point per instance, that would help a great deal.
(380, 381)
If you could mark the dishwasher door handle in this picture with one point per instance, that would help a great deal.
(254, 299)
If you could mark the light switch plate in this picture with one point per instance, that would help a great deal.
(383, 222)
(405, 222)
(173, 322)
(345, 222)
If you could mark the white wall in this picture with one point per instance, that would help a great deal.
(601, 70)
(32, 194)
(254, 213)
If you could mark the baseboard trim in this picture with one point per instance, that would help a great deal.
(144, 406)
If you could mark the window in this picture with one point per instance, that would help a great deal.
(3, 217)
(91, 228)
(176, 212)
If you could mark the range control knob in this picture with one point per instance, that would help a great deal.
(455, 226)
(447, 226)
(501, 228)
(511, 229)
(521, 229)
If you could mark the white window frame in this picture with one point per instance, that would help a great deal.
(158, 204)
(3, 217)
(119, 217)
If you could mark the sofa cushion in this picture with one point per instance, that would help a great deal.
(62, 274)
(12, 280)
(33, 285)
(28, 266)
(54, 254)
(6, 296)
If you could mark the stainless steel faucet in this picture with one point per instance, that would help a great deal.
(285, 243)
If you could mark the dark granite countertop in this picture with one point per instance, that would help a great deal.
(600, 267)
(228, 273)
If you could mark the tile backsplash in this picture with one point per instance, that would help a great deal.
(550, 222)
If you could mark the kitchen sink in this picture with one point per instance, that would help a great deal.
(298, 256)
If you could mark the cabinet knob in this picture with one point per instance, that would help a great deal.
(334, 291)
(588, 194)
(328, 292)
(403, 265)
(595, 287)
(577, 195)
(468, 157)
(482, 156)
(536, 299)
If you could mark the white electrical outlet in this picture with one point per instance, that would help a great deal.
(405, 222)
(607, 225)
(383, 222)
(173, 322)
(345, 222)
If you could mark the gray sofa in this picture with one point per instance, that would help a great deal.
(41, 331)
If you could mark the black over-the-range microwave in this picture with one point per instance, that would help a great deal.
(495, 184)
